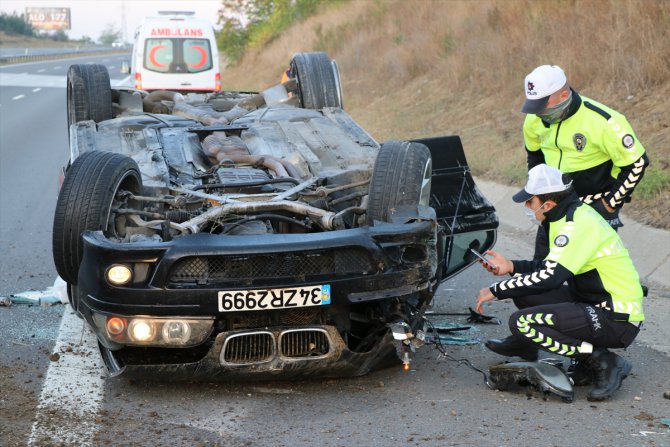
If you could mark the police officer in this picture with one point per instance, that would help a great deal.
(599, 308)
(593, 143)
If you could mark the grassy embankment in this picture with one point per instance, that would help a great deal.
(432, 67)
(16, 41)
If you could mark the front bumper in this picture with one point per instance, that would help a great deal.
(362, 266)
(236, 355)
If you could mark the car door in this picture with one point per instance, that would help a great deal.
(467, 219)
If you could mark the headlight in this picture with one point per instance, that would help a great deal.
(176, 332)
(119, 274)
(148, 331)
(141, 330)
(115, 326)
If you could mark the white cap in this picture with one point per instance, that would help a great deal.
(540, 84)
(542, 179)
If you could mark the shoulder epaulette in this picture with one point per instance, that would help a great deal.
(598, 110)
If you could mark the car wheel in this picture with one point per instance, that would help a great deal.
(401, 176)
(85, 203)
(318, 80)
(89, 95)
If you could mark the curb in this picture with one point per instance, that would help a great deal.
(649, 247)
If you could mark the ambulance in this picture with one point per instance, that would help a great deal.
(175, 51)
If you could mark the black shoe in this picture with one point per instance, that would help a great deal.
(580, 374)
(609, 370)
(512, 346)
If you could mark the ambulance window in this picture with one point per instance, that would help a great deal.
(197, 55)
(158, 55)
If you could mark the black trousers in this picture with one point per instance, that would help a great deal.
(557, 322)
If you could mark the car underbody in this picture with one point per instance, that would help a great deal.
(256, 235)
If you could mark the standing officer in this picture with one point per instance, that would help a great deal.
(599, 308)
(577, 135)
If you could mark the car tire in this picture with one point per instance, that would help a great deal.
(85, 203)
(318, 80)
(89, 94)
(401, 177)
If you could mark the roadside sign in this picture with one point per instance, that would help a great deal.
(48, 19)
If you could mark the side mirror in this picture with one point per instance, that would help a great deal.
(125, 67)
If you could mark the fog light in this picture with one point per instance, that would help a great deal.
(176, 332)
(141, 330)
(119, 274)
(115, 326)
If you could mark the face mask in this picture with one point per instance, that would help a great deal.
(556, 113)
(531, 214)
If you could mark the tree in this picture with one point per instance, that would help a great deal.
(59, 36)
(15, 24)
(109, 35)
(253, 23)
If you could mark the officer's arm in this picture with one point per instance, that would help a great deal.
(531, 140)
(550, 276)
(628, 154)
(534, 158)
(629, 177)
(527, 266)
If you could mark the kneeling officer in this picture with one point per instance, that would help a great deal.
(599, 308)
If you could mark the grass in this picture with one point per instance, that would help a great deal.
(16, 41)
(427, 67)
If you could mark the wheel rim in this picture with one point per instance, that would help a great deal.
(424, 196)
(71, 118)
(109, 223)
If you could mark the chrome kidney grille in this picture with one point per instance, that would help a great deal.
(304, 343)
(248, 348)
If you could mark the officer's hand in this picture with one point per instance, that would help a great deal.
(483, 296)
(607, 207)
(502, 266)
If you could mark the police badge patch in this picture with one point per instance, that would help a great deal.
(580, 141)
(628, 141)
(561, 240)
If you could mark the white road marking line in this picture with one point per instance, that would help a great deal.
(57, 67)
(111, 67)
(41, 70)
(18, 97)
(35, 90)
(73, 388)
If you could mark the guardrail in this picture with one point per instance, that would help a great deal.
(17, 59)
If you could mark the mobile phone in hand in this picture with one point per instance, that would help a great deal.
(486, 262)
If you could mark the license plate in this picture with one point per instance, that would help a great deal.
(244, 300)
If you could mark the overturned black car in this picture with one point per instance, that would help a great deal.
(253, 235)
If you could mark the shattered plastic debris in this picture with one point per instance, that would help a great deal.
(666, 422)
(543, 376)
(56, 294)
(440, 332)
(478, 318)
(451, 340)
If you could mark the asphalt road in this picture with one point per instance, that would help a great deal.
(65, 399)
